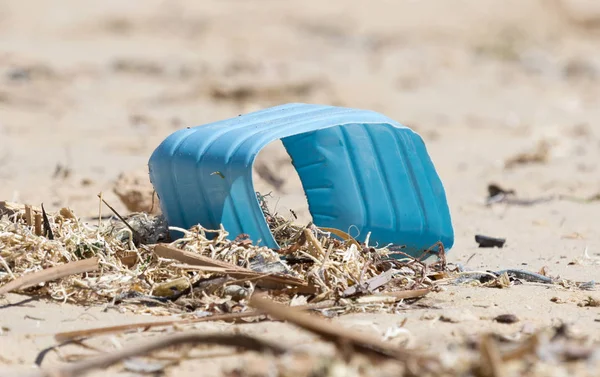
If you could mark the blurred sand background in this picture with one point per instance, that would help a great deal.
(89, 89)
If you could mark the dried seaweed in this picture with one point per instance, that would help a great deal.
(134, 274)
(205, 272)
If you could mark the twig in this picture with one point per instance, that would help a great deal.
(369, 285)
(264, 280)
(153, 196)
(28, 215)
(101, 196)
(201, 262)
(47, 230)
(343, 235)
(333, 332)
(104, 361)
(194, 259)
(414, 293)
(391, 297)
(78, 334)
(49, 274)
(38, 224)
(491, 360)
(314, 242)
(137, 239)
(70, 335)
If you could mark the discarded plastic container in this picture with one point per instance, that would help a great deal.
(360, 171)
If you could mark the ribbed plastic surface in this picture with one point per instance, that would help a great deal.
(360, 170)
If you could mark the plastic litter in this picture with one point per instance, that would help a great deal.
(359, 169)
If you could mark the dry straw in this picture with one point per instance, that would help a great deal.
(130, 273)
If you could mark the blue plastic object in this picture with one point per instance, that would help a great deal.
(359, 169)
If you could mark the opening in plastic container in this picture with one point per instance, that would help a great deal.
(276, 179)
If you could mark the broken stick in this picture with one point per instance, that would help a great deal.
(79, 334)
(47, 228)
(137, 239)
(38, 224)
(197, 261)
(169, 252)
(491, 359)
(369, 285)
(333, 332)
(50, 274)
(401, 295)
(28, 215)
(106, 360)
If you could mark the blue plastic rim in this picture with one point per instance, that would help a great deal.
(359, 169)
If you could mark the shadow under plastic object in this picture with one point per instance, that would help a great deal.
(361, 172)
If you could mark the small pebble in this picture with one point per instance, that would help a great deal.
(236, 292)
(485, 241)
(506, 318)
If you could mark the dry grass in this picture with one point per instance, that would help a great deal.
(132, 275)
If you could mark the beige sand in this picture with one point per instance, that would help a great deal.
(88, 90)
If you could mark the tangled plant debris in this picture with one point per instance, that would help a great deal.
(204, 271)
(137, 269)
(131, 264)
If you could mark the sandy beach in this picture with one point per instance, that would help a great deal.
(502, 92)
